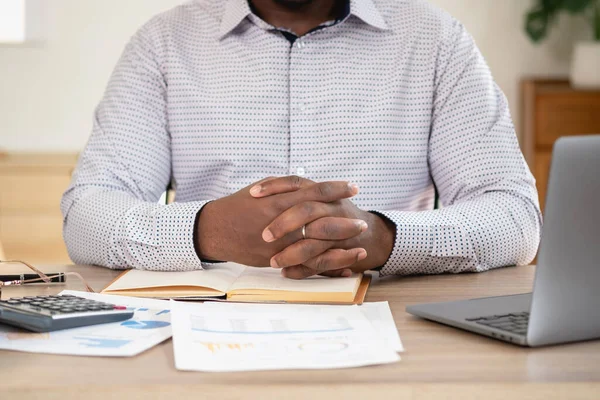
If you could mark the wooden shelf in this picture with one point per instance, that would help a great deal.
(552, 109)
(30, 218)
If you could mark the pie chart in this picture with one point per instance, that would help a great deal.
(145, 324)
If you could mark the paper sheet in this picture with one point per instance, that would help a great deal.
(216, 337)
(380, 316)
(150, 326)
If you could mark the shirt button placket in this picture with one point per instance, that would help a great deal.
(299, 107)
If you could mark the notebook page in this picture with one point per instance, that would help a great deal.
(219, 277)
(271, 279)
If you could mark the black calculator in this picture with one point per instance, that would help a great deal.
(52, 313)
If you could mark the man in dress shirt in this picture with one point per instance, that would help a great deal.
(305, 135)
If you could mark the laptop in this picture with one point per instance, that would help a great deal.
(565, 303)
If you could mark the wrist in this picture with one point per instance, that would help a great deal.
(207, 235)
(380, 241)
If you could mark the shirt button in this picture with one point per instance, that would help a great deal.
(300, 171)
(300, 44)
(302, 107)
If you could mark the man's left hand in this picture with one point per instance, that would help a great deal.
(322, 222)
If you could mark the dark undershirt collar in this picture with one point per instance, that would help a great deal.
(291, 36)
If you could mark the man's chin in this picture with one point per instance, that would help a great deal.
(293, 4)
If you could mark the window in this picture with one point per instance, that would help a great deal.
(12, 21)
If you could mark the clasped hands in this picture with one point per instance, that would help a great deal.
(261, 226)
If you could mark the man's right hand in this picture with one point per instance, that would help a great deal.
(230, 229)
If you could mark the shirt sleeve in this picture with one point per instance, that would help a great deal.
(111, 214)
(491, 216)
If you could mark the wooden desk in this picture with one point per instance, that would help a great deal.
(439, 362)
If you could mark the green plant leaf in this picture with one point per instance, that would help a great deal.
(551, 6)
(541, 16)
(536, 24)
(576, 6)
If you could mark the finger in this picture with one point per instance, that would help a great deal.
(319, 225)
(335, 228)
(340, 273)
(333, 259)
(297, 272)
(280, 185)
(325, 192)
(295, 218)
(300, 252)
(267, 179)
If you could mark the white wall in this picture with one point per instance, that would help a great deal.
(48, 91)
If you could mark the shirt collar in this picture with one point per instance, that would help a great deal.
(368, 13)
(237, 10)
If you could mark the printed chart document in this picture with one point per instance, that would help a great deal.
(218, 337)
(150, 325)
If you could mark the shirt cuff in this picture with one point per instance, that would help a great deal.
(412, 247)
(175, 230)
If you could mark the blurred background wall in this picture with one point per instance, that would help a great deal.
(48, 90)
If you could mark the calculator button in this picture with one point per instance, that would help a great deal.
(13, 302)
(67, 309)
(119, 308)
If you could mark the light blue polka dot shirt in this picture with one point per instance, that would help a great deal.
(394, 97)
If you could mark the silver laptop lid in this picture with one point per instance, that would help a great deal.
(566, 299)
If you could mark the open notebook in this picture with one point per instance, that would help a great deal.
(235, 282)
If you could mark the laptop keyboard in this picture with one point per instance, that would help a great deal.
(514, 322)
